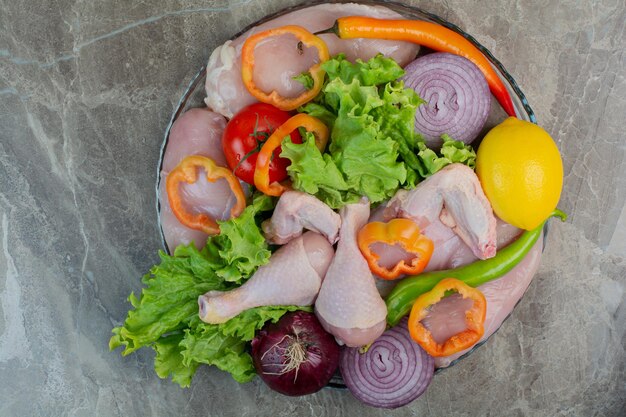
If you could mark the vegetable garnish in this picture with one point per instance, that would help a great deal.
(456, 94)
(306, 38)
(187, 172)
(165, 317)
(401, 232)
(474, 318)
(452, 151)
(246, 133)
(295, 356)
(261, 173)
(431, 35)
(402, 297)
(392, 372)
(374, 148)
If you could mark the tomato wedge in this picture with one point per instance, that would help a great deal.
(246, 133)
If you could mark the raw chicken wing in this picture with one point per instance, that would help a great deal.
(349, 305)
(292, 277)
(453, 196)
(296, 211)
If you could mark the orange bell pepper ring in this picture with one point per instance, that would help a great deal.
(187, 171)
(402, 232)
(474, 318)
(316, 71)
(264, 158)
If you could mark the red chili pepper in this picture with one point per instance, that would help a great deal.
(431, 35)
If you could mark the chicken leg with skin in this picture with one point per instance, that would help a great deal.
(296, 211)
(349, 305)
(293, 276)
(453, 196)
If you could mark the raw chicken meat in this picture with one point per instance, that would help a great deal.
(296, 211)
(447, 317)
(196, 132)
(455, 198)
(451, 252)
(349, 305)
(292, 277)
(278, 59)
(502, 295)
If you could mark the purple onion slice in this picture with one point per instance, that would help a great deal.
(456, 93)
(393, 372)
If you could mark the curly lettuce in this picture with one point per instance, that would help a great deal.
(165, 316)
(374, 148)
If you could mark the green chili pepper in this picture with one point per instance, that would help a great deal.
(400, 300)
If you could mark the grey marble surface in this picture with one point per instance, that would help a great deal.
(86, 90)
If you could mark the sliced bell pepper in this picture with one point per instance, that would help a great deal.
(316, 71)
(431, 35)
(402, 232)
(262, 170)
(187, 171)
(474, 318)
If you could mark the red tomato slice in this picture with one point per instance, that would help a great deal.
(244, 135)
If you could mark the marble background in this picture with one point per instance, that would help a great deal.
(86, 90)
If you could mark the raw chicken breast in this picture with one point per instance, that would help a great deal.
(278, 60)
(349, 305)
(292, 277)
(196, 132)
(296, 211)
(455, 197)
(447, 317)
(502, 295)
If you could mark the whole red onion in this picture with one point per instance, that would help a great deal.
(456, 93)
(295, 356)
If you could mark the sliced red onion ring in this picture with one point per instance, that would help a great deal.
(457, 96)
(393, 372)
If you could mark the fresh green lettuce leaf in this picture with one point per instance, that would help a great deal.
(305, 79)
(224, 345)
(374, 148)
(169, 299)
(169, 360)
(316, 173)
(165, 316)
(452, 151)
(378, 70)
(362, 159)
(457, 151)
(240, 245)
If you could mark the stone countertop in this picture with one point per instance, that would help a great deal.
(86, 91)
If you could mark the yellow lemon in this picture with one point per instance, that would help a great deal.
(521, 172)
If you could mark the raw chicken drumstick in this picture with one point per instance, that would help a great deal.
(292, 277)
(349, 305)
(296, 211)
